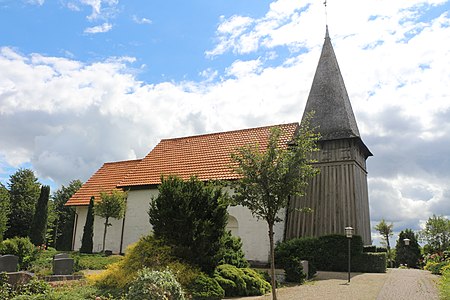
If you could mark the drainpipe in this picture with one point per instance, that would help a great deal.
(123, 228)
(75, 223)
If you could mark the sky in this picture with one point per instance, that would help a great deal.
(83, 82)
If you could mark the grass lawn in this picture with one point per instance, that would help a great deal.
(445, 285)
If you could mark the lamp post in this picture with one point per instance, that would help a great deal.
(349, 235)
(406, 241)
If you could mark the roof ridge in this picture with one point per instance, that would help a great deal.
(121, 161)
(228, 131)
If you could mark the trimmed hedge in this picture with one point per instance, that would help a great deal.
(206, 288)
(370, 249)
(330, 253)
(369, 263)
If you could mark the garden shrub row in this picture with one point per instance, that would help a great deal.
(330, 253)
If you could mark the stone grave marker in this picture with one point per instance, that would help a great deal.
(63, 266)
(61, 255)
(8, 263)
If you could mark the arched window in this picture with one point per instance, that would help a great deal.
(233, 226)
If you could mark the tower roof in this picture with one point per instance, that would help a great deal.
(329, 100)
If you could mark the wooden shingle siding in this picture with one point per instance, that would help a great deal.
(337, 195)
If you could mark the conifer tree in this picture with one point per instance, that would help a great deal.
(24, 192)
(191, 217)
(87, 243)
(408, 255)
(4, 209)
(39, 224)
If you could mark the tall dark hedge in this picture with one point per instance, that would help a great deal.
(191, 216)
(39, 225)
(330, 253)
(87, 243)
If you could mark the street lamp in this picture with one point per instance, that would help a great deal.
(349, 235)
(406, 241)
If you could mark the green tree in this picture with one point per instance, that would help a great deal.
(39, 226)
(437, 233)
(87, 243)
(191, 217)
(24, 190)
(271, 175)
(64, 215)
(407, 254)
(111, 205)
(4, 209)
(386, 231)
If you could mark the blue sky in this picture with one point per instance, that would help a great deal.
(83, 82)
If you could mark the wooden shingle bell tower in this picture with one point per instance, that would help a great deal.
(338, 195)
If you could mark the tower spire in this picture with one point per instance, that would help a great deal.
(329, 100)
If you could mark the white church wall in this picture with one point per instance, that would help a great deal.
(136, 220)
(253, 232)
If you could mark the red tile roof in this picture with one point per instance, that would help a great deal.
(206, 156)
(104, 180)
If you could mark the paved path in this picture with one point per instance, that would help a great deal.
(396, 284)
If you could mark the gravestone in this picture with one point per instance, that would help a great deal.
(63, 266)
(61, 255)
(8, 263)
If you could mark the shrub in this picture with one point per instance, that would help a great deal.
(240, 282)
(333, 251)
(33, 287)
(369, 263)
(150, 253)
(21, 247)
(157, 285)
(381, 249)
(231, 252)
(369, 248)
(436, 267)
(255, 283)
(303, 248)
(293, 270)
(206, 288)
(194, 234)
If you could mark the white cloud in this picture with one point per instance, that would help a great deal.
(105, 27)
(36, 2)
(138, 20)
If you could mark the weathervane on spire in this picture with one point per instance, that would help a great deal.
(326, 14)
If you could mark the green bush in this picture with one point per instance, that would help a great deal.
(155, 285)
(369, 263)
(381, 249)
(255, 283)
(241, 282)
(303, 248)
(293, 270)
(329, 253)
(21, 247)
(33, 287)
(370, 249)
(206, 288)
(436, 267)
(231, 252)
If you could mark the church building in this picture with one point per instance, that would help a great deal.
(338, 196)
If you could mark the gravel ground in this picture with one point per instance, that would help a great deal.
(395, 284)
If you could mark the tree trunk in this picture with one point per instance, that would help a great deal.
(389, 250)
(272, 263)
(104, 234)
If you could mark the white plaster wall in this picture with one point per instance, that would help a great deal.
(136, 220)
(253, 232)
(113, 234)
